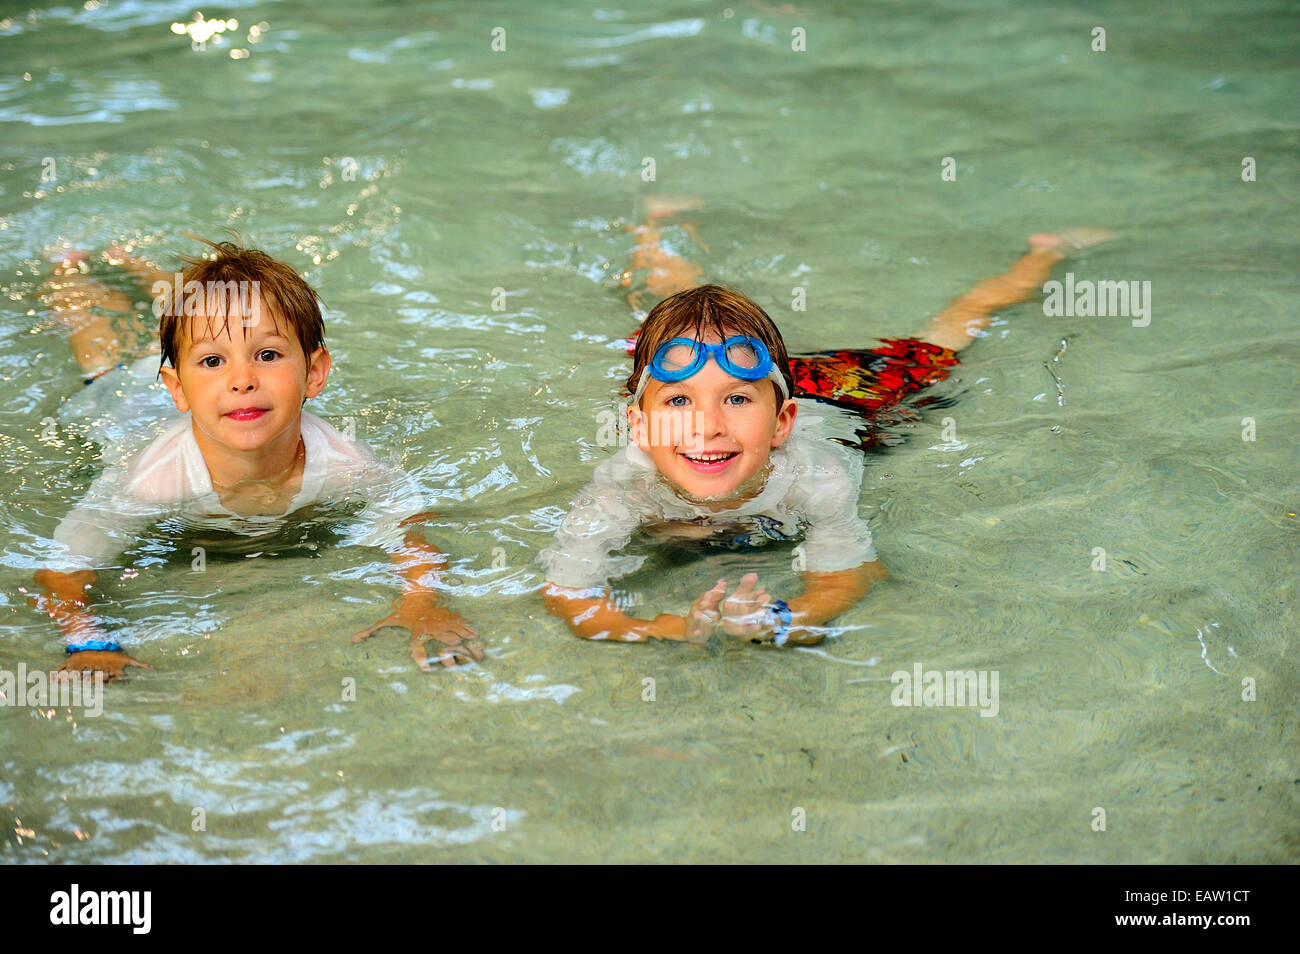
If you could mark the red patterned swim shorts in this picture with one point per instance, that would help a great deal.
(872, 380)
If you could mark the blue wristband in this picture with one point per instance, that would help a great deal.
(94, 645)
(781, 610)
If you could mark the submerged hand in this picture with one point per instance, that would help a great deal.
(704, 616)
(745, 613)
(428, 621)
(111, 665)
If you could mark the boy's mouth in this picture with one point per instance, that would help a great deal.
(713, 462)
(247, 413)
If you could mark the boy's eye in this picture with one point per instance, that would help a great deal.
(208, 361)
(265, 351)
(738, 400)
(677, 400)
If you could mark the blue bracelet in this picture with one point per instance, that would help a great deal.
(94, 645)
(782, 612)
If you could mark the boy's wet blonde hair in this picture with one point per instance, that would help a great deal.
(699, 312)
(284, 293)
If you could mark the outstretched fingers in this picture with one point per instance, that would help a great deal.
(367, 633)
(710, 601)
(449, 654)
(705, 614)
(464, 653)
(745, 611)
(462, 629)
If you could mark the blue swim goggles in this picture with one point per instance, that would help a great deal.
(741, 356)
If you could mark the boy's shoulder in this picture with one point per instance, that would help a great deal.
(340, 464)
(328, 441)
(168, 469)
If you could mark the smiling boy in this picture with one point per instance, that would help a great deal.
(241, 366)
(721, 454)
(717, 457)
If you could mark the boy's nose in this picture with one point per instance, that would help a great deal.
(242, 378)
(706, 422)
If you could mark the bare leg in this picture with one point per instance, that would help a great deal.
(82, 304)
(95, 314)
(667, 273)
(956, 326)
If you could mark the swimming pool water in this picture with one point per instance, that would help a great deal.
(461, 210)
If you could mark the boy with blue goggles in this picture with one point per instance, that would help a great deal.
(732, 458)
(717, 462)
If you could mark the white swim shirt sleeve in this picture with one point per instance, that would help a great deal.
(133, 493)
(104, 523)
(600, 522)
(837, 536)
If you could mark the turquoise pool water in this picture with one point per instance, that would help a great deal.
(410, 170)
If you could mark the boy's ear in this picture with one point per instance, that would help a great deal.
(784, 422)
(318, 369)
(636, 423)
(173, 382)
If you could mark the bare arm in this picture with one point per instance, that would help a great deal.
(65, 602)
(601, 619)
(826, 596)
(419, 564)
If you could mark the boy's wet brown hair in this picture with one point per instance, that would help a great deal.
(285, 295)
(699, 312)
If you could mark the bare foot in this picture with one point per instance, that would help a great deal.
(659, 207)
(1071, 240)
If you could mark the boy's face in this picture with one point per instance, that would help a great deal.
(710, 434)
(245, 392)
